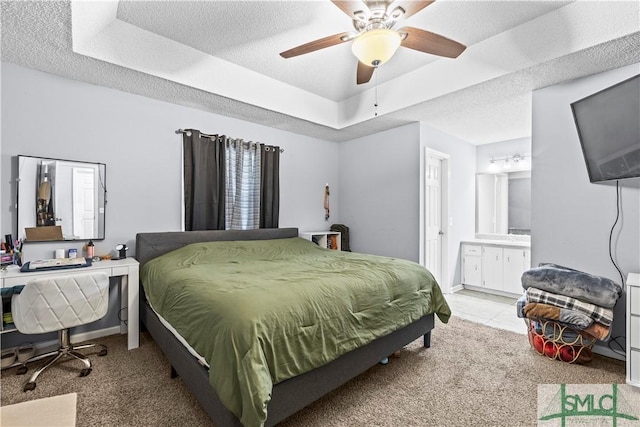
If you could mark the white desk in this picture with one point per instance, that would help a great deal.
(127, 268)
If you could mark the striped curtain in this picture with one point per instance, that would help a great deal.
(242, 184)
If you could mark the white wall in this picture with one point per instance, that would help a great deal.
(571, 218)
(380, 192)
(461, 222)
(45, 115)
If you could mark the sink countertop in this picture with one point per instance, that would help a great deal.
(499, 242)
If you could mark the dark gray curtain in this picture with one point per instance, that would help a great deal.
(204, 194)
(269, 186)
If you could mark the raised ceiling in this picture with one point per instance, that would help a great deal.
(223, 57)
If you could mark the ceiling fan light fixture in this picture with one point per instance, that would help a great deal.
(377, 46)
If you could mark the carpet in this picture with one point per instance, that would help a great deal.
(57, 411)
(471, 375)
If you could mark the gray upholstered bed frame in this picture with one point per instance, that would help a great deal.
(289, 396)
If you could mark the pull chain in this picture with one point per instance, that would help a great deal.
(375, 105)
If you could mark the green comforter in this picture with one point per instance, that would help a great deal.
(261, 312)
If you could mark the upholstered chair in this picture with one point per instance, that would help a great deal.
(57, 303)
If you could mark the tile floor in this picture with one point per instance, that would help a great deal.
(492, 310)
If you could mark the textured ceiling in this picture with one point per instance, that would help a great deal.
(223, 57)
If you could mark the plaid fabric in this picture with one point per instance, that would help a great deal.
(522, 301)
(599, 314)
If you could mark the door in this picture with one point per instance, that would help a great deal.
(472, 265)
(433, 216)
(492, 269)
(84, 203)
(514, 266)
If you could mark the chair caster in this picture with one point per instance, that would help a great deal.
(85, 372)
(384, 361)
(103, 352)
(22, 370)
(29, 386)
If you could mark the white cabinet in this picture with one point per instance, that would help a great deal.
(633, 329)
(495, 267)
(516, 262)
(492, 268)
(326, 239)
(472, 265)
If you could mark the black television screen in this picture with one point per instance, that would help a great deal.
(608, 124)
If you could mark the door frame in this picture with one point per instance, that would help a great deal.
(445, 284)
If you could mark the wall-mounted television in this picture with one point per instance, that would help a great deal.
(608, 124)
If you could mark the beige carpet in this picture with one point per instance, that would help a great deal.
(471, 375)
(57, 411)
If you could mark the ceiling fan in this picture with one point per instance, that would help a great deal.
(375, 41)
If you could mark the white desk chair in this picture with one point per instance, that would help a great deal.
(57, 303)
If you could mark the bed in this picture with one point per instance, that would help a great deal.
(275, 369)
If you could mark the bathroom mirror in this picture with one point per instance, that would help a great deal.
(65, 198)
(503, 203)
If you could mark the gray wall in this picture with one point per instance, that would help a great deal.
(461, 221)
(571, 218)
(49, 116)
(380, 193)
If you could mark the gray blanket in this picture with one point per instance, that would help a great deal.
(573, 283)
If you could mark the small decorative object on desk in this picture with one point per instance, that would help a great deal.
(90, 249)
(122, 251)
(73, 253)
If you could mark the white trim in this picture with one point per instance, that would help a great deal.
(92, 335)
(182, 212)
(603, 350)
(456, 288)
(52, 345)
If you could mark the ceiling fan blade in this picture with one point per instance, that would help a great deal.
(355, 9)
(364, 73)
(410, 7)
(426, 41)
(317, 45)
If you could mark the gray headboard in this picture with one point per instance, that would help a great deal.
(151, 245)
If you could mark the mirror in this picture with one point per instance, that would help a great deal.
(60, 199)
(503, 203)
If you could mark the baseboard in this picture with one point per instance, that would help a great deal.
(456, 289)
(491, 291)
(92, 335)
(51, 345)
(603, 350)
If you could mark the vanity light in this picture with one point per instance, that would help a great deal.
(518, 160)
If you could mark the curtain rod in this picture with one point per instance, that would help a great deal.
(179, 131)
